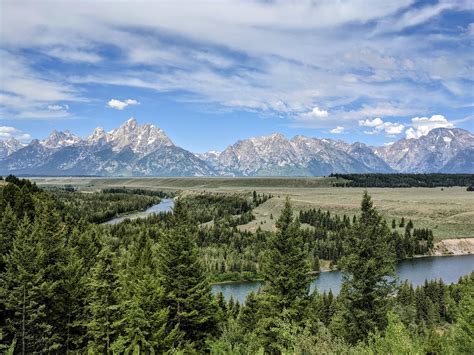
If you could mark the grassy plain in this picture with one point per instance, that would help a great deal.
(449, 211)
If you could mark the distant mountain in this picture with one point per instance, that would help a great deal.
(300, 156)
(9, 146)
(146, 150)
(130, 150)
(441, 150)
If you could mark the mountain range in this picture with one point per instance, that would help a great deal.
(146, 150)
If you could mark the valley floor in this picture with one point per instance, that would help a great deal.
(449, 212)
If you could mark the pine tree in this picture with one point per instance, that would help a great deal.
(24, 290)
(367, 268)
(286, 288)
(103, 304)
(142, 324)
(50, 233)
(187, 292)
(8, 226)
(285, 266)
(248, 316)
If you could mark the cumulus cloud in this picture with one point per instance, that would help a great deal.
(7, 132)
(337, 130)
(120, 105)
(315, 114)
(379, 126)
(422, 125)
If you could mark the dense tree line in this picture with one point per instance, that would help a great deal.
(69, 285)
(101, 207)
(123, 190)
(232, 210)
(403, 180)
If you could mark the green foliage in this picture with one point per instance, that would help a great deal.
(187, 293)
(404, 180)
(70, 286)
(367, 270)
(101, 207)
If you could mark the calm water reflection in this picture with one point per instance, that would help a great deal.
(447, 268)
(165, 205)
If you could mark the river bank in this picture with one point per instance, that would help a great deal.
(415, 270)
(464, 246)
(165, 205)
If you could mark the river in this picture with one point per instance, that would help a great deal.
(165, 205)
(447, 268)
(416, 270)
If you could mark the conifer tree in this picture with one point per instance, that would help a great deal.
(367, 267)
(103, 304)
(285, 266)
(187, 292)
(286, 288)
(8, 227)
(24, 289)
(142, 324)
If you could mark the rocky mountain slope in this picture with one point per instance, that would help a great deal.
(130, 150)
(275, 155)
(9, 146)
(441, 150)
(146, 150)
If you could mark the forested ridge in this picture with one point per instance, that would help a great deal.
(404, 180)
(143, 286)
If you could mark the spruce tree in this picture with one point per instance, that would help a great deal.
(24, 290)
(368, 268)
(285, 266)
(187, 292)
(286, 288)
(8, 227)
(142, 324)
(103, 305)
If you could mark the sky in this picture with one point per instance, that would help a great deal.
(212, 72)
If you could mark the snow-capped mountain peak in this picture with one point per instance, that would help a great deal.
(9, 146)
(134, 149)
(99, 136)
(59, 139)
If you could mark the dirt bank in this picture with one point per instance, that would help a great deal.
(454, 247)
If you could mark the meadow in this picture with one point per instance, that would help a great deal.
(449, 212)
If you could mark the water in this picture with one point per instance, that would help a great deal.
(447, 268)
(165, 205)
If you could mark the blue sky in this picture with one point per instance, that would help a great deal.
(212, 72)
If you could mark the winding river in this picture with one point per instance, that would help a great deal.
(447, 268)
(417, 270)
(165, 205)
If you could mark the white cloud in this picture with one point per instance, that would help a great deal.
(74, 55)
(7, 132)
(422, 125)
(280, 57)
(27, 94)
(337, 130)
(58, 107)
(315, 114)
(379, 126)
(120, 105)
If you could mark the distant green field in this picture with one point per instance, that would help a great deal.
(449, 212)
(191, 182)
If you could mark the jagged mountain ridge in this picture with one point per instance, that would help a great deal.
(9, 146)
(130, 150)
(434, 152)
(146, 150)
(275, 155)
